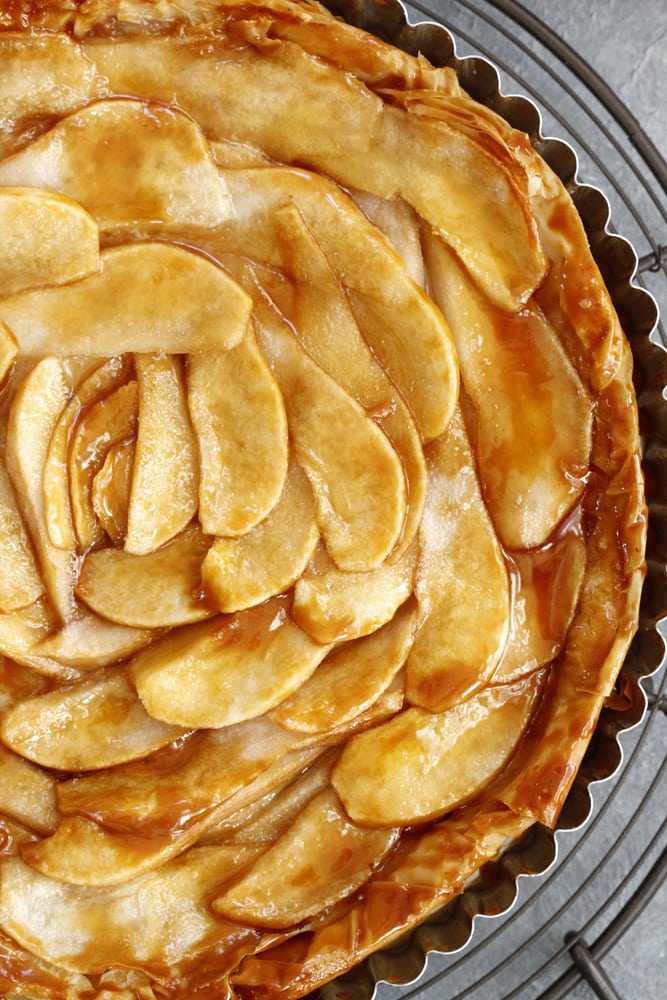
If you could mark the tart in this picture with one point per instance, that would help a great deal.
(322, 519)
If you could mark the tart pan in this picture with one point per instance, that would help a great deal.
(494, 891)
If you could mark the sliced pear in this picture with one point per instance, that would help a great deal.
(172, 300)
(312, 299)
(81, 852)
(400, 224)
(20, 582)
(27, 793)
(89, 726)
(226, 670)
(356, 475)
(18, 683)
(421, 765)
(322, 858)
(21, 633)
(54, 919)
(532, 415)
(504, 256)
(462, 579)
(245, 810)
(239, 573)
(351, 678)
(209, 775)
(88, 642)
(264, 820)
(405, 332)
(9, 350)
(15, 836)
(165, 477)
(333, 605)
(157, 590)
(547, 578)
(158, 168)
(181, 783)
(241, 429)
(106, 422)
(105, 376)
(450, 178)
(42, 74)
(33, 416)
(111, 490)
(46, 239)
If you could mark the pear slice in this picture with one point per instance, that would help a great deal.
(351, 678)
(400, 224)
(165, 478)
(106, 422)
(462, 580)
(111, 490)
(239, 573)
(102, 380)
(158, 168)
(88, 642)
(173, 300)
(157, 590)
(33, 416)
(46, 239)
(9, 350)
(18, 683)
(322, 858)
(53, 919)
(20, 582)
(265, 819)
(332, 605)
(83, 852)
(532, 414)
(89, 726)
(27, 793)
(420, 764)
(42, 74)
(241, 428)
(209, 774)
(405, 332)
(310, 296)
(356, 475)
(450, 176)
(226, 670)
(549, 577)
(22, 631)
(183, 782)
(15, 835)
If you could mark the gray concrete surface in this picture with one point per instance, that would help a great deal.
(626, 42)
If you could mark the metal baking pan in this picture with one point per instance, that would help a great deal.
(494, 892)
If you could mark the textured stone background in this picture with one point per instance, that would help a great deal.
(626, 42)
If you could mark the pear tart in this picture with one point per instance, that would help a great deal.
(321, 513)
